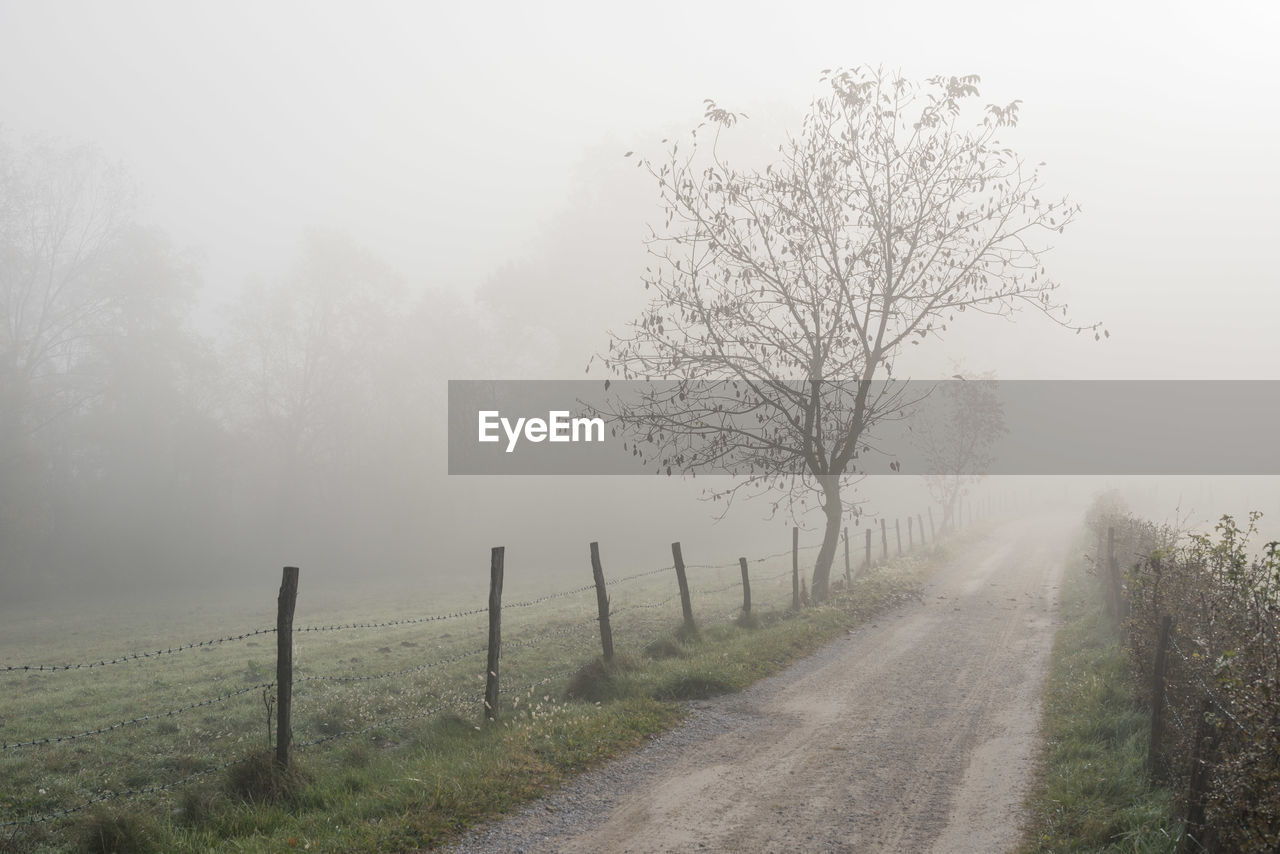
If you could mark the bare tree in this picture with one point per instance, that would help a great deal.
(307, 358)
(783, 295)
(64, 212)
(954, 433)
(95, 363)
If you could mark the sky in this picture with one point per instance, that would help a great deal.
(446, 137)
(474, 144)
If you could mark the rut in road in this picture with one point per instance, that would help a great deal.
(916, 732)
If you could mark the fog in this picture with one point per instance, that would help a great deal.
(310, 216)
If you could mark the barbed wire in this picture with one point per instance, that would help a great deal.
(453, 659)
(518, 644)
(154, 789)
(407, 621)
(624, 579)
(538, 601)
(734, 564)
(706, 591)
(712, 565)
(563, 631)
(776, 555)
(134, 656)
(140, 719)
(453, 615)
(633, 606)
(455, 706)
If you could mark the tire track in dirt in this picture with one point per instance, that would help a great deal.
(916, 732)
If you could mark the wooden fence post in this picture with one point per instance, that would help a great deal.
(920, 520)
(1113, 578)
(884, 540)
(867, 562)
(495, 633)
(1122, 601)
(1102, 569)
(1198, 837)
(285, 604)
(746, 587)
(602, 603)
(897, 530)
(1154, 759)
(685, 603)
(795, 568)
(911, 533)
(933, 533)
(848, 570)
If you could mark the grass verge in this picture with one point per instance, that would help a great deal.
(432, 783)
(1093, 794)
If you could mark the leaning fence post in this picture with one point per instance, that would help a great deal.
(897, 530)
(495, 633)
(746, 587)
(884, 540)
(867, 563)
(1154, 764)
(286, 602)
(602, 602)
(920, 520)
(795, 568)
(685, 603)
(848, 571)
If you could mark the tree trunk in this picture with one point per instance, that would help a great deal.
(833, 507)
(949, 507)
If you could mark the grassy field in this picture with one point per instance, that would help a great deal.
(391, 752)
(1094, 795)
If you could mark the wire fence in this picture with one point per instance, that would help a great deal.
(59, 739)
(1201, 621)
(136, 656)
(558, 634)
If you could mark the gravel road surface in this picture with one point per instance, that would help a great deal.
(916, 732)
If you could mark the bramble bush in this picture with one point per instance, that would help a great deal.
(1222, 686)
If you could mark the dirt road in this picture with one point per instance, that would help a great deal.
(914, 733)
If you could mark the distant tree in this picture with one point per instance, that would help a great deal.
(147, 445)
(954, 432)
(64, 214)
(781, 296)
(524, 300)
(308, 346)
(93, 363)
(307, 358)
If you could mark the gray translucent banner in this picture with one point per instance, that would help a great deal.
(1033, 427)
